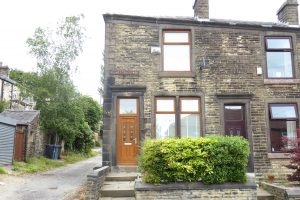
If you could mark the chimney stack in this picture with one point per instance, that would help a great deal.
(201, 9)
(288, 12)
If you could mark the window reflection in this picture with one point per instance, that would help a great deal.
(279, 112)
(128, 106)
(190, 125)
(165, 125)
(279, 64)
(176, 57)
(165, 105)
(188, 105)
(278, 43)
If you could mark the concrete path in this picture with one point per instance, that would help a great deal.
(57, 184)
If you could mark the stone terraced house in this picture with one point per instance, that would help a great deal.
(196, 76)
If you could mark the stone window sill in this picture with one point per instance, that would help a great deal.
(279, 155)
(281, 81)
(177, 74)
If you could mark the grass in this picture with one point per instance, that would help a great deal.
(40, 164)
(2, 171)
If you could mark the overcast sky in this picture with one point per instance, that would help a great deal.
(19, 18)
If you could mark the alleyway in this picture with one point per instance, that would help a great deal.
(55, 184)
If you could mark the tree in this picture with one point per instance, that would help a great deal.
(92, 111)
(52, 87)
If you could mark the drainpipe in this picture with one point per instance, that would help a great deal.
(11, 95)
(2, 90)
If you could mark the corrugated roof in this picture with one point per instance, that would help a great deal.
(8, 120)
(22, 116)
(5, 78)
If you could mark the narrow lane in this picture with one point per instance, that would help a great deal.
(51, 185)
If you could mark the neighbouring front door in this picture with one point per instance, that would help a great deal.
(235, 124)
(19, 146)
(127, 131)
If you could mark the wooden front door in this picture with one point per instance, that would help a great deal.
(235, 124)
(19, 150)
(127, 131)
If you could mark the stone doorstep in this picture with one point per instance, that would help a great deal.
(117, 198)
(122, 176)
(264, 195)
(120, 168)
(118, 189)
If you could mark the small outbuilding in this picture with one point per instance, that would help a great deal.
(7, 140)
(29, 140)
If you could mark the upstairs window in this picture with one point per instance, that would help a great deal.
(279, 57)
(176, 50)
(283, 123)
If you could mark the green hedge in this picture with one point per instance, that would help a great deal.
(211, 160)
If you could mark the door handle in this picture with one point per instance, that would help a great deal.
(135, 142)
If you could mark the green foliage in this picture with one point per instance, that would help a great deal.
(3, 105)
(211, 160)
(92, 111)
(63, 111)
(39, 164)
(2, 171)
(97, 143)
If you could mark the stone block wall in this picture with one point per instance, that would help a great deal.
(181, 191)
(95, 181)
(232, 54)
(282, 192)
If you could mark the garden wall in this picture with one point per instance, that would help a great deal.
(237, 191)
(95, 181)
(282, 192)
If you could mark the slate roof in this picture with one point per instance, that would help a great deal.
(198, 21)
(23, 117)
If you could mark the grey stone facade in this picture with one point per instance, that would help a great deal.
(225, 56)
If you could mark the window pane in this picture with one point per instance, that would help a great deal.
(279, 64)
(283, 112)
(176, 58)
(165, 105)
(165, 125)
(280, 43)
(176, 37)
(190, 125)
(188, 105)
(281, 129)
(128, 106)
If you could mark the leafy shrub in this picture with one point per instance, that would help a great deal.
(211, 160)
(2, 171)
(291, 145)
(3, 105)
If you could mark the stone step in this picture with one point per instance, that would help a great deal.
(118, 189)
(264, 195)
(122, 176)
(121, 168)
(117, 198)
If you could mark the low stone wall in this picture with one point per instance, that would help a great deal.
(178, 191)
(95, 182)
(281, 192)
